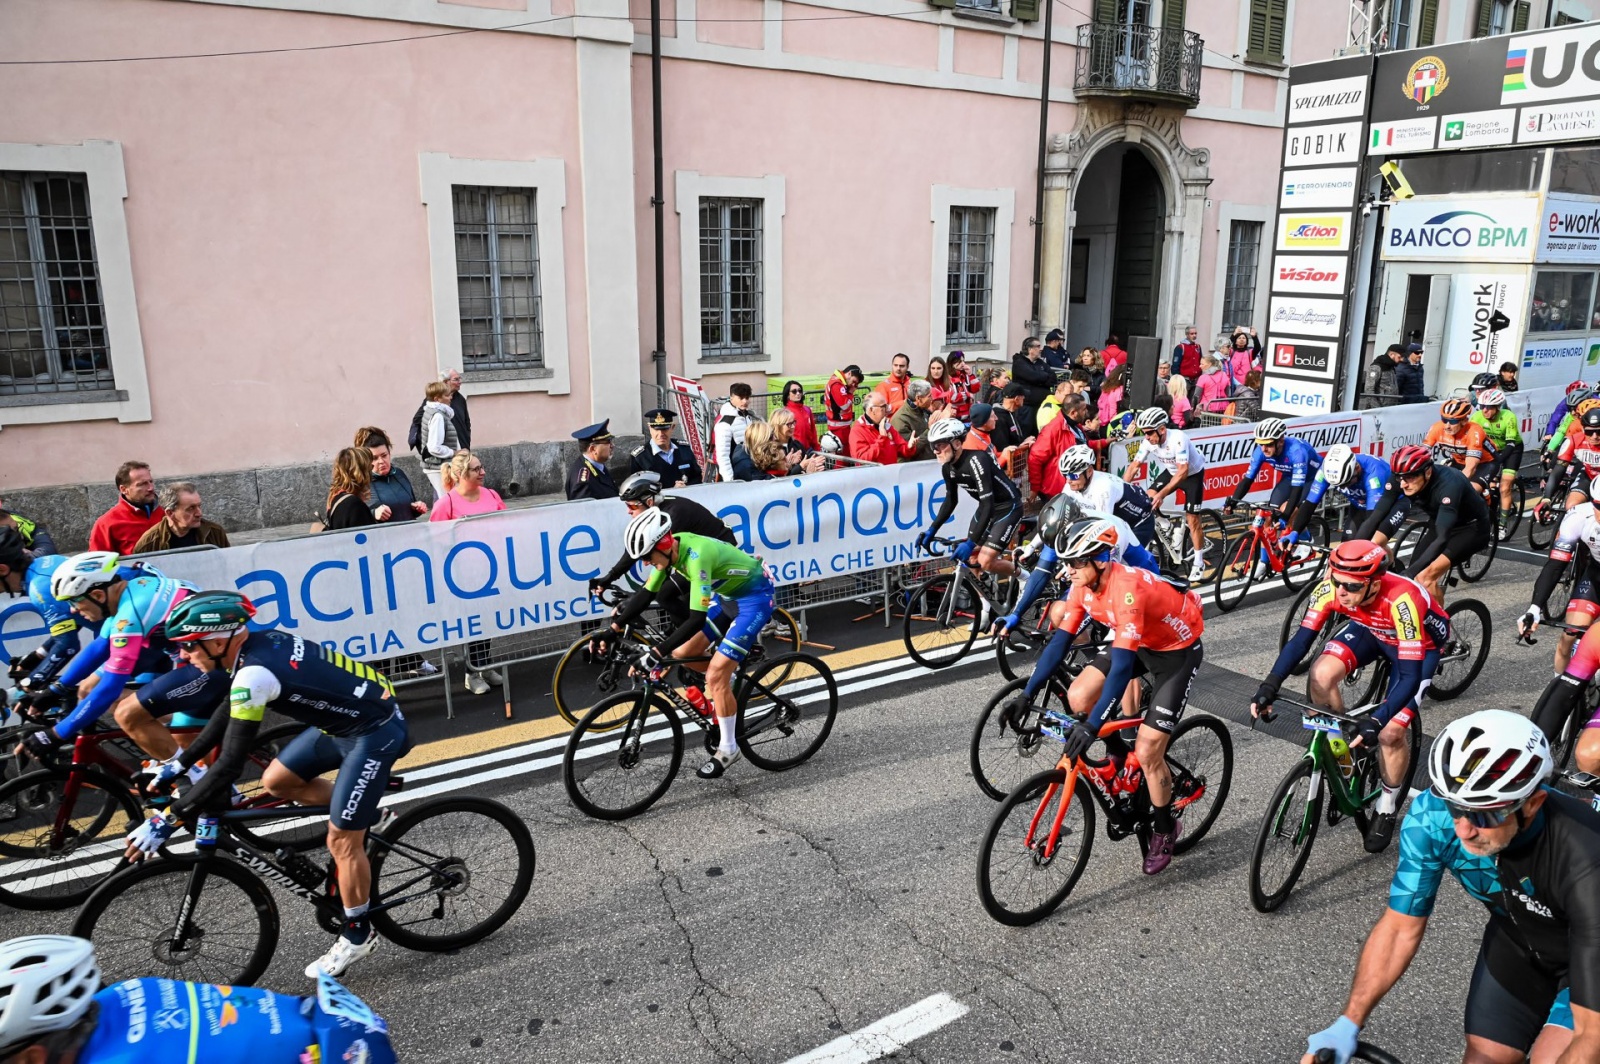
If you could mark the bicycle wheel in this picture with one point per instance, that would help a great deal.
(1542, 534)
(1283, 846)
(1020, 647)
(613, 777)
(1200, 758)
(1364, 686)
(581, 678)
(779, 729)
(1476, 567)
(1512, 518)
(1021, 880)
(297, 833)
(1237, 572)
(1214, 540)
(1470, 634)
(1371, 1054)
(463, 866)
(132, 918)
(1409, 542)
(1564, 740)
(780, 636)
(1297, 574)
(1292, 623)
(1004, 752)
(54, 856)
(941, 621)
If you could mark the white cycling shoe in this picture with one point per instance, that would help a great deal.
(341, 956)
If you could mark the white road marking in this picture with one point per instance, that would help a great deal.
(888, 1035)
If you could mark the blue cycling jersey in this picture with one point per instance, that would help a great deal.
(1428, 849)
(1296, 460)
(59, 620)
(143, 1020)
(1368, 489)
(309, 683)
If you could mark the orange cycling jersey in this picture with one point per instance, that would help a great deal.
(1140, 609)
(1576, 447)
(1402, 616)
(1471, 443)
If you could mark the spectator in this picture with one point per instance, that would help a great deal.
(1508, 375)
(1378, 387)
(1082, 422)
(893, 387)
(348, 495)
(732, 421)
(964, 384)
(1014, 422)
(1408, 376)
(1044, 478)
(1111, 395)
(588, 477)
(839, 400)
(1050, 409)
(805, 419)
(670, 459)
(1178, 391)
(1213, 388)
(183, 526)
(802, 459)
(1091, 363)
(938, 379)
(1055, 349)
(991, 382)
(1029, 369)
(873, 439)
(134, 513)
(762, 455)
(1247, 400)
(978, 430)
(458, 408)
(911, 420)
(36, 539)
(394, 497)
(1112, 355)
(1244, 355)
(1186, 356)
(439, 439)
(464, 496)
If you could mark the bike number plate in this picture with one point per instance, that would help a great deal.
(334, 1000)
(1318, 722)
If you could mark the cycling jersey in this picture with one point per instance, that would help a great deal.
(141, 1020)
(1503, 431)
(1460, 517)
(1366, 493)
(1459, 448)
(712, 568)
(1117, 497)
(687, 516)
(1175, 450)
(1296, 461)
(976, 473)
(62, 624)
(1139, 608)
(1576, 447)
(1579, 526)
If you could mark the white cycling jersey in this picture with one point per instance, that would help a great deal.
(1579, 523)
(1177, 449)
(1125, 536)
(1103, 492)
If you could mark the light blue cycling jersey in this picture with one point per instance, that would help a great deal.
(1368, 489)
(64, 639)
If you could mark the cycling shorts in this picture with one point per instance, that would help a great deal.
(363, 762)
(1511, 999)
(1145, 531)
(1171, 673)
(1462, 543)
(1510, 460)
(1002, 528)
(1280, 493)
(1356, 647)
(1192, 489)
(754, 610)
(187, 693)
(1585, 597)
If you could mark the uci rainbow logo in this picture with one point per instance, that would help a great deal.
(1516, 61)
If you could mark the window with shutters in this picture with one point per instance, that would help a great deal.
(1244, 257)
(1397, 30)
(730, 276)
(497, 278)
(1502, 16)
(970, 283)
(1265, 41)
(1427, 23)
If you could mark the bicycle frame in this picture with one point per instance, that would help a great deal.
(1265, 536)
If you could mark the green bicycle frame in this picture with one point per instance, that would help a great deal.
(1325, 766)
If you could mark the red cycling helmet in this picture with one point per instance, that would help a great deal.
(1360, 559)
(1457, 408)
(1575, 387)
(1411, 459)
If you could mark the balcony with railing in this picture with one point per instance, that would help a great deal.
(1138, 62)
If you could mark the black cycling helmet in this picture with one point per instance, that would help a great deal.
(641, 487)
(1590, 420)
(1057, 514)
(13, 553)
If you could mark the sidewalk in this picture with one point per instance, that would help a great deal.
(277, 532)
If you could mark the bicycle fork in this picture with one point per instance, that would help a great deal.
(1049, 842)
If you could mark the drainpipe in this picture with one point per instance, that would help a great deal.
(658, 199)
(1044, 130)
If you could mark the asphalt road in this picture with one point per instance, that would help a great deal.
(760, 916)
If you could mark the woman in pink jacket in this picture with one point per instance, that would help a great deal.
(1211, 391)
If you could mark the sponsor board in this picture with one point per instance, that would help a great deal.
(1427, 78)
(1325, 187)
(1474, 298)
(1294, 355)
(1571, 229)
(1303, 316)
(1462, 229)
(1558, 64)
(1337, 142)
(1478, 129)
(1323, 101)
(1314, 232)
(1553, 361)
(1560, 121)
(1317, 274)
(1286, 396)
(1406, 135)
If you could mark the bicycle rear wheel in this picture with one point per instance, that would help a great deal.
(1237, 571)
(1463, 658)
(1541, 534)
(620, 760)
(779, 729)
(133, 917)
(450, 872)
(53, 856)
(1476, 567)
(780, 636)
(1409, 542)
(1297, 574)
(941, 621)
(1020, 647)
(1283, 846)
(1019, 882)
(1292, 623)
(1200, 758)
(1004, 751)
(581, 678)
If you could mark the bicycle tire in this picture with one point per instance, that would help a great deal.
(1513, 516)
(171, 877)
(1280, 813)
(452, 886)
(579, 681)
(764, 711)
(1564, 739)
(83, 860)
(1542, 534)
(279, 834)
(783, 632)
(1363, 686)
(1021, 646)
(1476, 567)
(1214, 534)
(930, 641)
(1292, 624)
(1237, 571)
(999, 764)
(1408, 542)
(622, 751)
(1476, 652)
(1297, 575)
(1080, 832)
(1194, 776)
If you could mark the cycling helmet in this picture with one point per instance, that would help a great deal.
(1491, 397)
(831, 444)
(13, 554)
(640, 487)
(1482, 380)
(1060, 512)
(1489, 759)
(1091, 538)
(82, 573)
(1411, 459)
(646, 531)
(1586, 405)
(1338, 464)
(47, 983)
(1076, 461)
(208, 615)
(1151, 419)
(1576, 386)
(1359, 559)
(1456, 408)
(1272, 430)
(948, 430)
(1590, 419)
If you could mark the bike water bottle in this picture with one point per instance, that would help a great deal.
(1341, 754)
(205, 833)
(697, 698)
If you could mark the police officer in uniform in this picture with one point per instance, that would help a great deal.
(588, 477)
(667, 458)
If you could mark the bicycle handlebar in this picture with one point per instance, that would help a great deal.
(1527, 639)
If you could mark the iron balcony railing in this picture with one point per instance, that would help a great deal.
(1122, 60)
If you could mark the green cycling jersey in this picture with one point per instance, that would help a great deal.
(1560, 434)
(712, 568)
(1502, 431)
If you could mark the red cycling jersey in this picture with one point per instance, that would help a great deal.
(1576, 447)
(1402, 616)
(1141, 610)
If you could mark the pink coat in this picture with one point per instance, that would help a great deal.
(1110, 398)
(1211, 388)
(1242, 362)
(1180, 411)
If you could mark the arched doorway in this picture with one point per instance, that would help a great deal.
(1120, 208)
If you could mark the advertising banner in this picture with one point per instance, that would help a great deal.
(1406, 135)
(1324, 187)
(1311, 357)
(1559, 121)
(1462, 229)
(1337, 142)
(1305, 316)
(1323, 101)
(1326, 275)
(687, 391)
(1554, 64)
(1551, 362)
(1474, 298)
(1571, 229)
(1313, 232)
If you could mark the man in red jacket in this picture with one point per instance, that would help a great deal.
(1186, 358)
(839, 400)
(873, 439)
(134, 513)
(1043, 476)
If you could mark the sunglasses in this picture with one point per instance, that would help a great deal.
(1151, 433)
(1591, 432)
(1482, 818)
(1452, 421)
(1266, 443)
(1348, 588)
(1412, 475)
(1078, 563)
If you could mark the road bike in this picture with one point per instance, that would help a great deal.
(446, 873)
(1543, 525)
(1258, 552)
(1174, 547)
(1414, 537)
(625, 752)
(1365, 1051)
(1038, 844)
(1329, 769)
(945, 614)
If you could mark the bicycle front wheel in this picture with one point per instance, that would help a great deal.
(449, 873)
(623, 755)
(1297, 574)
(1200, 758)
(1409, 542)
(1238, 569)
(1020, 647)
(1463, 657)
(1006, 751)
(1022, 876)
(55, 850)
(779, 729)
(1288, 831)
(941, 621)
(1291, 624)
(1541, 534)
(133, 918)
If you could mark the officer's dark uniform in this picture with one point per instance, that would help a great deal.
(676, 465)
(586, 479)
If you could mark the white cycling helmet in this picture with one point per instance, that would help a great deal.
(1271, 430)
(1338, 464)
(949, 430)
(1491, 397)
(1150, 419)
(831, 444)
(1076, 461)
(648, 528)
(47, 983)
(1489, 759)
(81, 573)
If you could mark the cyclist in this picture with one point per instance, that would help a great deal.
(999, 501)
(1156, 629)
(1367, 483)
(1500, 428)
(1556, 427)
(1392, 617)
(1106, 493)
(1460, 516)
(20, 573)
(354, 725)
(1454, 438)
(1577, 454)
(1578, 535)
(711, 568)
(131, 603)
(1296, 462)
(1531, 856)
(53, 1010)
(1182, 469)
(1567, 687)
(642, 491)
